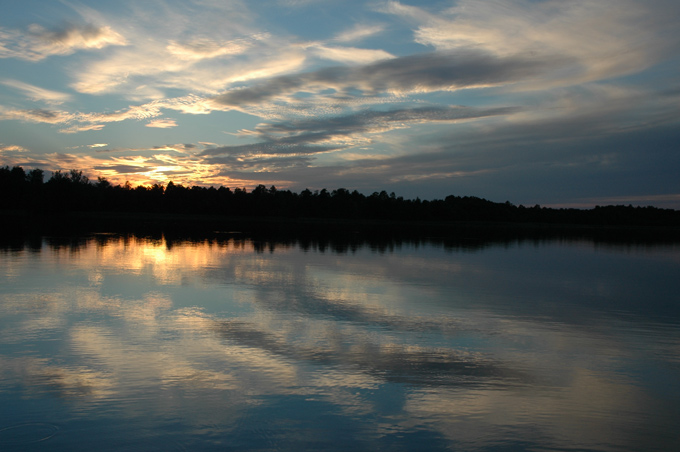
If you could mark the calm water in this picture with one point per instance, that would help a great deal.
(126, 343)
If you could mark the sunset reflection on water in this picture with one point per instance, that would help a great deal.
(225, 342)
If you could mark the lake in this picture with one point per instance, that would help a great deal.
(126, 342)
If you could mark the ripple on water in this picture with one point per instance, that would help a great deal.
(34, 432)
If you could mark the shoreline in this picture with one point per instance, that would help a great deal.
(77, 223)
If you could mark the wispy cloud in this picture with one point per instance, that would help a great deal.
(80, 122)
(359, 32)
(297, 143)
(604, 39)
(205, 48)
(283, 147)
(12, 148)
(205, 66)
(74, 37)
(199, 48)
(355, 129)
(38, 115)
(36, 93)
(37, 42)
(82, 128)
(162, 124)
(423, 73)
(350, 55)
(180, 147)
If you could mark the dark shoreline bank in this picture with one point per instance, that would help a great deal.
(14, 223)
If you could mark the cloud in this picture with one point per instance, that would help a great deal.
(372, 121)
(153, 64)
(283, 147)
(511, 137)
(297, 3)
(253, 170)
(71, 38)
(174, 161)
(38, 115)
(604, 39)
(182, 147)
(82, 122)
(145, 111)
(38, 42)
(36, 93)
(205, 48)
(195, 49)
(131, 63)
(588, 147)
(191, 104)
(421, 73)
(350, 55)
(83, 128)
(359, 32)
(582, 139)
(162, 124)
(97, 145)
(345, 107)
(12, 148)
(297, 143)
(123, 169)
(588, 112)
(86, 121)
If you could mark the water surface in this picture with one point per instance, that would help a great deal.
(122, 342)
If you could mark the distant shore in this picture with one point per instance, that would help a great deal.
(74, 223)
(70, 203)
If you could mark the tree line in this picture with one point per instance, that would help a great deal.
(71, 191)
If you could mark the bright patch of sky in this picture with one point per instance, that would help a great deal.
(550, 102)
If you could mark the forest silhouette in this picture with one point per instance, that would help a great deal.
(71, 191)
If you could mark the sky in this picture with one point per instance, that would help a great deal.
(568, 103)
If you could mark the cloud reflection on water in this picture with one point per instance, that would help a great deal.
(414, 341)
